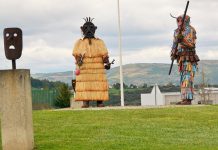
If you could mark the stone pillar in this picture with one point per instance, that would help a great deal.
(16, 110)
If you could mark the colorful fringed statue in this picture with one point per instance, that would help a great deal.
(92, 59)
(186, 57)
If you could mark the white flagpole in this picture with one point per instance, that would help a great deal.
(121, 65)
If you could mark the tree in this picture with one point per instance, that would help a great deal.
(132, 86)
(170, 84)
(145, 85)
(63, 99)
(117, 85)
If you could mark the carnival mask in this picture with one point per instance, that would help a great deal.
(179, 20)
(88, 28)
(13, 43)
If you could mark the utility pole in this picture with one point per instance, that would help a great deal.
(155, 92)
(203, 84)
(121, 64)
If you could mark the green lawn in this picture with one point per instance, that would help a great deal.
(154, 128)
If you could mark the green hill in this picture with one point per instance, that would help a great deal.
(140, 73)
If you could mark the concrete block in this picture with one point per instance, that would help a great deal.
(16, 110)
(75, 104)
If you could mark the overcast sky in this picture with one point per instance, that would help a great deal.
(51, 27)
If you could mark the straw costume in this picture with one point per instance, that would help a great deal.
(186, 58)
(92, 59)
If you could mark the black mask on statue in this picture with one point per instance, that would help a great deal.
(88, 28)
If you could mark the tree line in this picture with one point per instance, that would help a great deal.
(132, 92)
(45, 84)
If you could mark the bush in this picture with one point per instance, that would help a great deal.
(63, 99)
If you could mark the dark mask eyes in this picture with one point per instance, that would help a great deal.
(7, 34)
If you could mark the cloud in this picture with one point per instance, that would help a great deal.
(51, 28)
(148, 55)
(211, 54)
(42, 57)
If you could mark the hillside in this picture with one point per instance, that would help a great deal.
(140, 73)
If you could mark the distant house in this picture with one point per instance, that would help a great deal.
(211, 89)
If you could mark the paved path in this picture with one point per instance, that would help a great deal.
(126, 107)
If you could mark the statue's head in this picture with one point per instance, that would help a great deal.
(88, 28)
(13, 43)
(179, 20)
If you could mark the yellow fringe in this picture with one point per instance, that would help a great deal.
(185, 83)
(92, 71)
(92, 86)
(96, 49)
(91, 77)
(91, 66)
(189, 67)
(93, 60)
(92, 95)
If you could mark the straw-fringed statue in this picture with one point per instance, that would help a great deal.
(92, 59)
(186, 57)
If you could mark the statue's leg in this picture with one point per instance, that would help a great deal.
(85, 104)
(185, 102)
(187, 71)
(100, 104)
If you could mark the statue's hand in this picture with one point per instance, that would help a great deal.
(108, 63)
(173, 54)
(79, 60)
(107, 66)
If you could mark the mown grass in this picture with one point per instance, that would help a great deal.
(185, 128)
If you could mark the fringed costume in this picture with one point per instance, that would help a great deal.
(186, 58)
(91, 83)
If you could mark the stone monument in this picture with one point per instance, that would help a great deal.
(15, 97)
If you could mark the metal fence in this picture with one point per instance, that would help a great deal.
(46, 97)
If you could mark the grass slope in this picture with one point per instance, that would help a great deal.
(185, 128)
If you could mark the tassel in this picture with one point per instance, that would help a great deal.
(92, 86)
(97, 48)
(91, 77)
(91, 95)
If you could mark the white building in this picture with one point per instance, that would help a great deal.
(158, 98)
